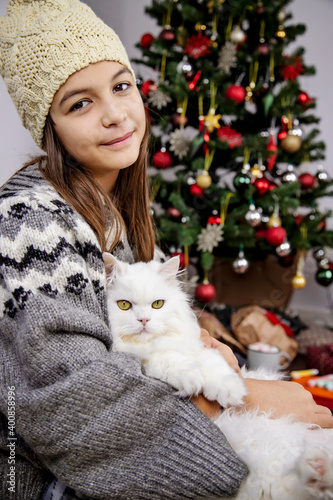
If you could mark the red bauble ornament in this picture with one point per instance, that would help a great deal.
(174, 212)
(205, 292)
(275, 235)
(146, 41)
(167, 35)
(214, 219)
(272, 147)
(162, 160)
(262, 185)
(236, 92)
(195, 190)
(181, 256)
(148, 86)
(307, 181)
(304, 99)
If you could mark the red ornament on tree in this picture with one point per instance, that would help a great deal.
(236, 92)
(262, 185)
(272, 147)
(307, 181)
(198, 46)
(174, 212)
(146, 41)
(162, 159)
(167, 35)
(195, 190)
(275, 235)
(148, 86)
(205, 292)
(214, 219)
(293, 67)
(230, 136)
(304, 99)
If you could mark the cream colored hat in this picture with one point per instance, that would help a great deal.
(43, 42)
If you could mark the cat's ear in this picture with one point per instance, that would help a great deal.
(170, 267)
(111, 264)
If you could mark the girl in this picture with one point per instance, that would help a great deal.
(78, 420)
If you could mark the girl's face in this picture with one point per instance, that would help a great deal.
(99, 117)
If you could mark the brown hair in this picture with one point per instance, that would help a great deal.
(127, 207)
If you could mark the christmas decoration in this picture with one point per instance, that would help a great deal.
(299, 281)
(276, 235)
(324, 277)
(231, 120)
(241, 264)
(205, 292)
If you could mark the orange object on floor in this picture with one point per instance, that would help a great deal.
(322, 396)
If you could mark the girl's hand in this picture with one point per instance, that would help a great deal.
(222, 348)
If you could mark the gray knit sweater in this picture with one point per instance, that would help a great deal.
(83, 413)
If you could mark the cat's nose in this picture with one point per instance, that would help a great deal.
(144, 321)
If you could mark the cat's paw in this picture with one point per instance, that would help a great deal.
(188, 382)
(317, 472)
(229, 391)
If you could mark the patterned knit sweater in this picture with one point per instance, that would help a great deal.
(83, 413)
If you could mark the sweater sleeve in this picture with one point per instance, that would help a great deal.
(90, 415)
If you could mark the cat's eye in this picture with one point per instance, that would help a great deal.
(124, 305)
(157, 304)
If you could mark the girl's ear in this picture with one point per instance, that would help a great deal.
(170, 268)
(111, 264)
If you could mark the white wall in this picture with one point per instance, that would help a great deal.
(129, 21)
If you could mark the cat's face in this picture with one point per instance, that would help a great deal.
(141, 296)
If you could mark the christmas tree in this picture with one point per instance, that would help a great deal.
(236, 160)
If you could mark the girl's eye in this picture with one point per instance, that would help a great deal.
(121, 87)
(157, 304)
(80, 105)
(124, 305)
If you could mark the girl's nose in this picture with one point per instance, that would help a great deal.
(113, 114)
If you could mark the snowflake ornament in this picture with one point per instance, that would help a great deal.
(227, 57)
(179, 143)
(158, 98)
(210, 237)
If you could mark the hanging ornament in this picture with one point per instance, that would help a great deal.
(148, 86)
(299, 281)
(230, 136)
(321, 175)
(240, 265)
(304, 99)
(146, 41)
(212, 120)
(179, 120)
(205, 292)
(227, 57)
(283, 131)
(214, 218)
(198, 46)
(262, 186)
(180, 143)
(237, 35)
(185, 67)
(275, 236)
(236, 93)
(291, 143)
(272, 147)
(204, 180)
(195, 190)
(260, 7)
(158, 98)
(292, 68)
(162, 159)
(319, 254)
(257, 171)
(174, 213)
(284, 249)
(289, 175)
(324, 277)
(307, 181)
(210, 237)
(253, 215)
(241, 182)
(274, 220)
(167, 35)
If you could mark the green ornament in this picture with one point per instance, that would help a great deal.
(241, 182)
(324, 277)
(268, 101)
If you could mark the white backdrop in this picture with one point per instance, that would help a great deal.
(128, 19)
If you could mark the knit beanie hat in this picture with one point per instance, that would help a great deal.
(42, 43)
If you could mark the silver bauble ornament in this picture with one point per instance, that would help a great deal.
(323, 263)
(319, 254)
(241, 264)
(253, 216)
(284, 249)
(321, 175)
(289, 175)
(237, 35)
(185, 67)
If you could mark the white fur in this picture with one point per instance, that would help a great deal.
(287, 460)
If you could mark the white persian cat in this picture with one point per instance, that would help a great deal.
(150, 316)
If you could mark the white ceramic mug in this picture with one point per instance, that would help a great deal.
(261, 355)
